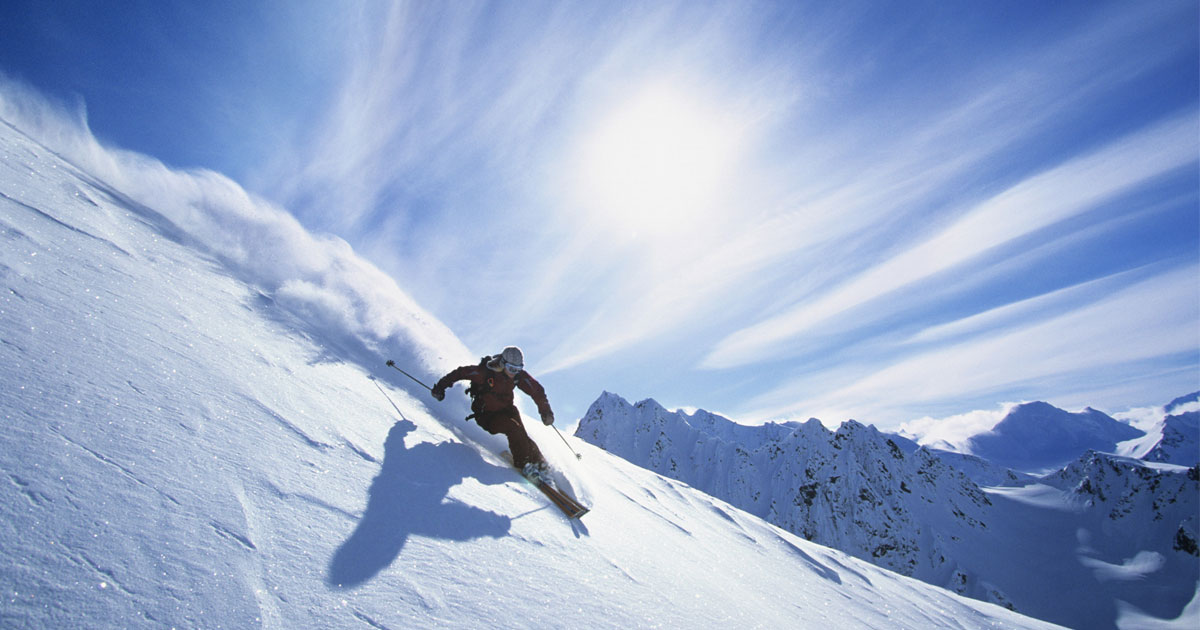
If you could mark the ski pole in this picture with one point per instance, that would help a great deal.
(392, 364)
(560, 436)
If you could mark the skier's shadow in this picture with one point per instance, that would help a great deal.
(408, 497)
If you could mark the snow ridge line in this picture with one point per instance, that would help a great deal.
(284, 495)
(36, 498)
(369, 621)
(107, 576)
(228, 533)
(68, 226)
(128, 473)
(289, 425)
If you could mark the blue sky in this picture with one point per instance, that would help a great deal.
(769, 210)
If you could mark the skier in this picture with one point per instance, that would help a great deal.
(491, 391)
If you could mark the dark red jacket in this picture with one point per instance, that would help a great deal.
(493, 390)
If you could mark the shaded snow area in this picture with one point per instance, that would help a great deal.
(193, 438)
(1105, 542)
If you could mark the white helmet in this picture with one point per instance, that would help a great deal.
(513, 359)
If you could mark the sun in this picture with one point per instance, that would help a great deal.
(658, 162)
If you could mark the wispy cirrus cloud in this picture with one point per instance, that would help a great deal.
(829, 189)
(450, 157)
(742, 206)
(1038, 202)
(807, 219)
(1150, 319)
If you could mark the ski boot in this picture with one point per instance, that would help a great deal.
(537, 471)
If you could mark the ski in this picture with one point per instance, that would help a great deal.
(569, 506)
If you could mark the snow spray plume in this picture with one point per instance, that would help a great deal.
(352, 306)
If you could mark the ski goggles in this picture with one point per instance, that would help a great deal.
(513, 367)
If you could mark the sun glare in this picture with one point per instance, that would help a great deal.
(659, 162)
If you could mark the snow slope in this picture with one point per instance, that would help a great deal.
(1107, 543)
(199, 432)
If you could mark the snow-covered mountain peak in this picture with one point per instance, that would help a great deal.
(1038, 436)
(1179, 442)
(1183, 404)
(1174, 438)
(855, 430)
(622, 417)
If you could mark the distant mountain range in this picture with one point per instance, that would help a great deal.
(1100, 533)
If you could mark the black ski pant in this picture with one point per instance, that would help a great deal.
(507, 421)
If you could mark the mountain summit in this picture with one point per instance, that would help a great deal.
(1039, 437)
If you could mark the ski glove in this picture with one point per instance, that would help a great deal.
(548, 418)
(438, 393)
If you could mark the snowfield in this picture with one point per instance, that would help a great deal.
(199, 432)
